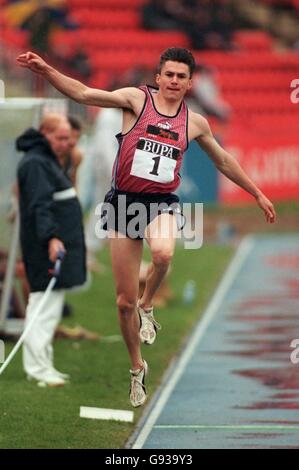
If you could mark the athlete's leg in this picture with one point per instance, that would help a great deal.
(160, 235)
(126, 258)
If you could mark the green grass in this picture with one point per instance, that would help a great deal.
(31, 417)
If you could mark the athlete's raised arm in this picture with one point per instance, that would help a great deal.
(228, 165)
(123, 98)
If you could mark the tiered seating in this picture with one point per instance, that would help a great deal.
(14, 37)
(253, 40)
(120, 60)
(107, 18)
(125, 4)
(111, 34)
(257, 83)
(254, 80)
(137, 39)
(253, 61)
(8, 35)
(259, 102)
(274, 124)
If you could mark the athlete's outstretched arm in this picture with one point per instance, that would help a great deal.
(123, 98)
(229, 166)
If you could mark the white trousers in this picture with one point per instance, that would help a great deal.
(37, 347)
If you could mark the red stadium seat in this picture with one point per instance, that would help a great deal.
(121, 59)
(249, 61)
(125, 4)
(15, 37)
(129, 39)
(253, 40)
(260, 101)
(258, 80)
(107, 18)
(254, 79)
(133, 39)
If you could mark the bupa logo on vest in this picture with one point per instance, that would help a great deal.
(157, 148)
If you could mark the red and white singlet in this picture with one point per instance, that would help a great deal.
(150, 154)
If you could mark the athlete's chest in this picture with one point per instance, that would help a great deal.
(159, 146)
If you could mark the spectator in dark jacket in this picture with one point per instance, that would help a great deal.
(51, 220)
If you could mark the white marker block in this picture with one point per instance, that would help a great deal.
(106, 413)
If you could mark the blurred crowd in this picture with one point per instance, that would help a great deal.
(40, 19)
(209, 24)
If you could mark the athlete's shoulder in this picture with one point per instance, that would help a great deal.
(198, 124)
(134, 97)
(197, 118)
(132, 93)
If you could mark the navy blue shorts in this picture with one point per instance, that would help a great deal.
(130, 213)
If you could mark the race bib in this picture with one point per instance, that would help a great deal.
(155, 161)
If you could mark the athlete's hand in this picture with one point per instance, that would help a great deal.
(32, 61)
(267, 207)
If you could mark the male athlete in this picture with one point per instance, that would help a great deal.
(157, 127)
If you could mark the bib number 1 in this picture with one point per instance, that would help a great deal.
(155, 161)
(156, 166)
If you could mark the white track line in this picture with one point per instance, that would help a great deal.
(226, 282)
(229, 427)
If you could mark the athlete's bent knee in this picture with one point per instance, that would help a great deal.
(162, 258)
(125, 304)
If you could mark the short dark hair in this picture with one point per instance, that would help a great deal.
(177, 54)
(75, 122)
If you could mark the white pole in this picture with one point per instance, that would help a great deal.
(29, 324)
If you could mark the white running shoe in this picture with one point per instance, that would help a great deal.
(138, 393)
(148, 325)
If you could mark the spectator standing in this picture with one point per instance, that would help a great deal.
(51, 221)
